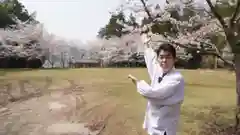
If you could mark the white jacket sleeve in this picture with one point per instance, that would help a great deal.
(150, 60)
(161, 91)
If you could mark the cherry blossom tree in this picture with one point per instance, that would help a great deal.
(113, 50)
(212, 23)
(31, 40)
(23, 40)
(34, 41)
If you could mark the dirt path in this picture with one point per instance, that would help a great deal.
(56, 113)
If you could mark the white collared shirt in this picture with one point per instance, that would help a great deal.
(164, 98)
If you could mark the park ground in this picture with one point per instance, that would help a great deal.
(104, 101)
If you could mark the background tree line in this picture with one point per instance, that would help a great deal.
(12, 10)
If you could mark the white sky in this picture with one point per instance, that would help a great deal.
(72, 19)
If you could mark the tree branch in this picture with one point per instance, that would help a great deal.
(237, 20)
(213, 50)
(202, 50)
(146, 10)
(217, 15)
(233, 19)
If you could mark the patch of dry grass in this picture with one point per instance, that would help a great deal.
(209, 97)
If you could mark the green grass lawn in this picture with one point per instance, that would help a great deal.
(209, 96)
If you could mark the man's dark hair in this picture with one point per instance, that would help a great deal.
(167, 48)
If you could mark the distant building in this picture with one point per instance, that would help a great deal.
(87, 63)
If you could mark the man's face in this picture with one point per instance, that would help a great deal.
(166, 60)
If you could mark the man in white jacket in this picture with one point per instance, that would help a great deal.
(165, 94)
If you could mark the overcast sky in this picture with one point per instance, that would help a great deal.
(72, 19)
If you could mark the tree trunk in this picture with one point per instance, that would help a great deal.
(237, 72)
(52, 64)
(215, 62)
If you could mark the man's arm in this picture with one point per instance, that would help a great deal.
(161, 91)
(150, 60)
(149, 55)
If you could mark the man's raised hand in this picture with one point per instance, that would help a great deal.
(133, 78)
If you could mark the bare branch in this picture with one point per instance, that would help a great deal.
(232, 20)
(146, 10)
(230, 63)
(217, 15)
(237, 20)
(213, 50)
